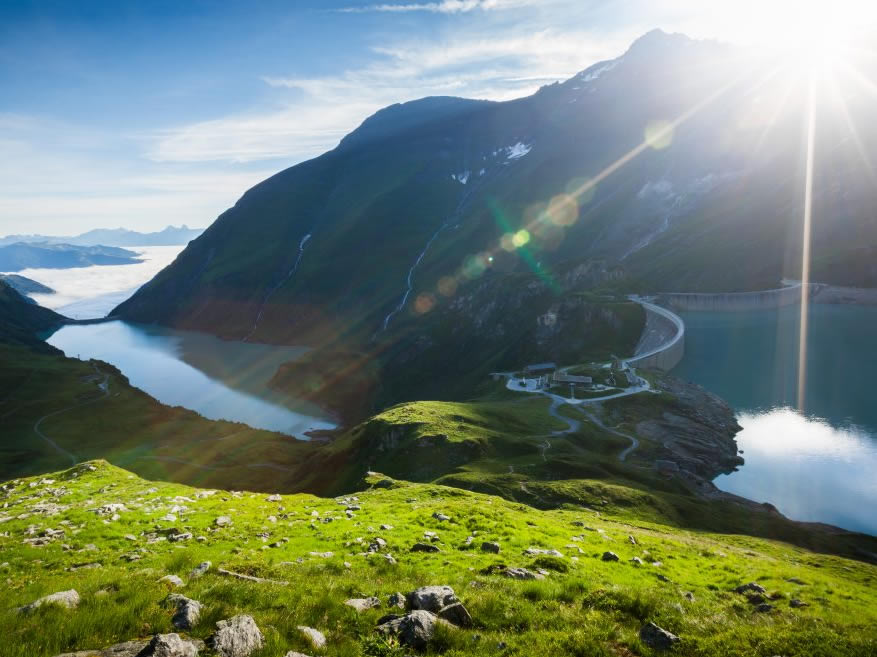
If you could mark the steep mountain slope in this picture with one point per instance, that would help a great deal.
(21, 320)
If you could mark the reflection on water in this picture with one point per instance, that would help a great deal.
(807, 468)
(219, 379)
(816, 466)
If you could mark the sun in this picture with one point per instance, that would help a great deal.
(816, 34)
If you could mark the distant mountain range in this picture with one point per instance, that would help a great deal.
(170, 236)
(20, 255)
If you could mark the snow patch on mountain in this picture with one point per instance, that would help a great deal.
(593, 73)
(517, 151)
(462, 177)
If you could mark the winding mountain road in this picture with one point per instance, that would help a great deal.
(104, 387)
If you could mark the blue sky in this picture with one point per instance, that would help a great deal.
(141, 114)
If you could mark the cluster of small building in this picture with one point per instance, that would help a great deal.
(548, 376)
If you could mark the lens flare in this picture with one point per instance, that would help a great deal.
(521, 238)
(659, 134)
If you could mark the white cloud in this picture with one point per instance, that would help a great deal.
(443, 7)
(324, 109)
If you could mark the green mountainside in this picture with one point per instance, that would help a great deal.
(21, 320)
(595, 579)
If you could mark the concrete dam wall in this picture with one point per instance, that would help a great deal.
(662, 344)
(732, 301)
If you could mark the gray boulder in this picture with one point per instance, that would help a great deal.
(456, 614)
(169, 645)
(431, 598)
(396, 600)
(487, 546)
(609, 556)
(188, 611)
(415, 629)
(236, 637)
(172, 581)
(751, 586)
(68, 599)
(424, 547)
(127, 649)
(521, 573)
(363, 604)
(657, 637)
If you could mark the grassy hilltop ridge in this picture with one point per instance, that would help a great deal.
(115, 556)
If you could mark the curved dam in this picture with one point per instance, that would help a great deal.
(662, 344)
(732, 301)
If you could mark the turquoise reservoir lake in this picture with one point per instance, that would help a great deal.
(219, 379)
(819, 465)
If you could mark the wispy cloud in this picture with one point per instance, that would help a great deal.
(443, 7)
(319, 111)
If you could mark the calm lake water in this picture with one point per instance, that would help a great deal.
(817, 466)
(219, 379)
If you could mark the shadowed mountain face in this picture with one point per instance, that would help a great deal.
(21, 320)
(374, 241)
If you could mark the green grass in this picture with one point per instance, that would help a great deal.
(584, 607)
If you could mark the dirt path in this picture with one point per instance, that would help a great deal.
(634, 442)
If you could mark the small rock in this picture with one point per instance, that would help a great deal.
(751, 586)
(456, 614)
(317, 638)
(424, 547)
(636, 561)
(764, 607)
(363, 604)
(236, 637)
(200, 569)
(68, 599)
(797, 604)
(656, 637)
(487, 546)
(533, 552)
(521, 573)
(188, 611)
(441, 517)
(172, 580)
(415, 629)
(169, 645)
(274, 498)
(609, 556)
(222, 521)
(396, 600)
(386, 528)
(431, 598)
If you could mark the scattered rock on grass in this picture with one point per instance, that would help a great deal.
(188, 611)
(236, 637)
(317, 638)
(425, 547)
(68, 599)
(751, 586)
(170, 645)
(415, 629)
(657, 637)
(456, 614)
(363, 604)
(487, 546)
(431, 598)
(609, 556)
(396, 600)
(200, 569)
(172, 580)
(797, 604)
